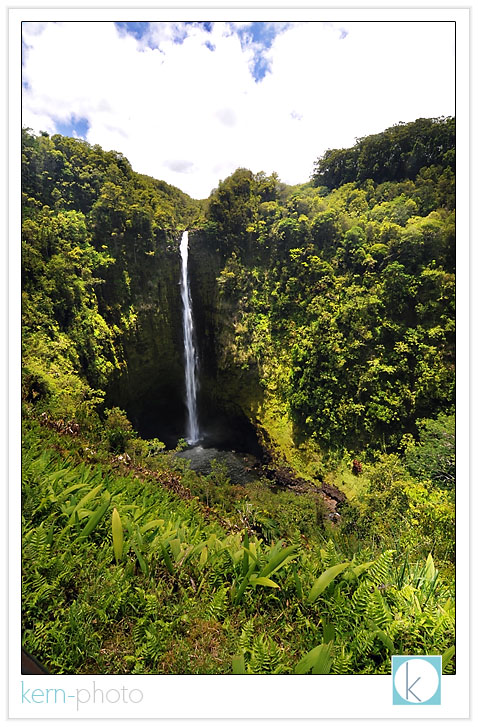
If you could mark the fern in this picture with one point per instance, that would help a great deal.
(361, 596)
(151, 638)
(265, 656)
(402, 630)
(379, 571)
(301, 621)
(329, 555)
(139, 630)
(378, 610)
(246, 637)
(449, 667)
(36, 546)
(363, 642)
(217, 608)
(342, 662)
(153, 648)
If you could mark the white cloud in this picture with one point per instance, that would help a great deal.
(189, 115)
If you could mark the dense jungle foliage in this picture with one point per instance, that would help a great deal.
(346, 296)
(340, 299)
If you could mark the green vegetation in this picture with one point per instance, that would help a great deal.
(94, 235)
(126, 571)
(397, 154)
(345, 301)
(335, 297)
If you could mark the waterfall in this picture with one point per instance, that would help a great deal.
(190, 360)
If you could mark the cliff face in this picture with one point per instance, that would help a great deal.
(235, 404)
(150, 385)
(229, 395)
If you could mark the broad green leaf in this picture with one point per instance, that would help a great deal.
(175, 547)
(203, 557)
(447, 657)
(238, 665)
(117, 529)
(185, 554)
(277, 560)
(71, 489)
(325, 579)
(57, 475)
(289, 559)
(245, 560)
(198, 548)
(385, 639)
(236, 555)
(328, 631)
(81, 514)
(380, 634)
(243, 586)
(248, 551)
(357, 570)
(152, 525)
(318, 660)
(430, 570)
(96, 517)
(253, 550)
(261, 581)
(448, 606)
(167, 559)
(142, 563)
(89, 496)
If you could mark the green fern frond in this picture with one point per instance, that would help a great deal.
(329, 555)
(342, 663)
(139, 630)
(363, 642)
(378, 610)
(361, 596)
(247, 636)
(217, 608)
(153, 648)
(265, 656)
(379, 571)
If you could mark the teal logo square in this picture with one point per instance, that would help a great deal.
(416, 680)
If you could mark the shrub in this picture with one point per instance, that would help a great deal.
(118, 429)
(434, 456)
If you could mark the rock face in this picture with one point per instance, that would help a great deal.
(150, 383)
(228, 395)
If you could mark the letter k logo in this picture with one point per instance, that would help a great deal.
(416, 679)
(409, 689)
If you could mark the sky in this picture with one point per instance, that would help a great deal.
(191, 102)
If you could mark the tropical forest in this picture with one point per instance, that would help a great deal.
(238, 430)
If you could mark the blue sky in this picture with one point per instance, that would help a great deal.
(258, 35)
(190, 102)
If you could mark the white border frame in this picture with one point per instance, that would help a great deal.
(278, 697)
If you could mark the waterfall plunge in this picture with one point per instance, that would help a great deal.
(190, 360)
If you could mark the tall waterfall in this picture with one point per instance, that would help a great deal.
(190, 359)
